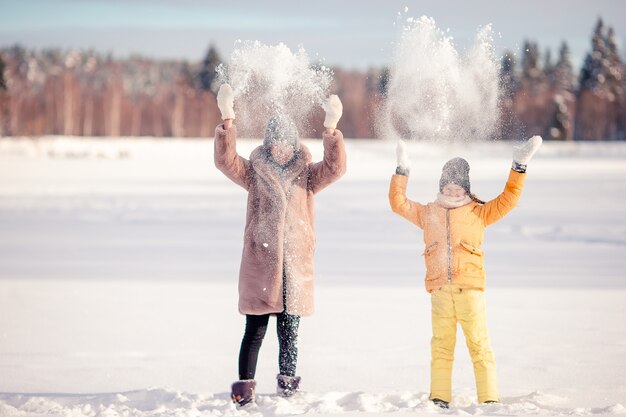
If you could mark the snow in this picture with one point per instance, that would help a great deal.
(118, 292)
(438, 92)
(270, 80)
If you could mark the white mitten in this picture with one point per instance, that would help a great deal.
(334, 110)
(402, 155)
(523, 153)
(226, 101)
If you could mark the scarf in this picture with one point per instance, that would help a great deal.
(452, 202)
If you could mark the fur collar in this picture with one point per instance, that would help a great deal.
(274, 173)
(452, 202)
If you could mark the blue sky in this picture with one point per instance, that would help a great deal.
(352, 34)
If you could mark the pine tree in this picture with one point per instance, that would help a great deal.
(600, 101)
(508, 78)
(561, 123)
(3, 83)
(509, 84)
(564, 73)
(383, 82)
(530, 62)
(207, 73)
(615, 67)
(549, 69)
(593, 73)
(4, 108)
(616, 83)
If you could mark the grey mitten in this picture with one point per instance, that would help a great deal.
(226, 101)
(523, 153)
(404, 165)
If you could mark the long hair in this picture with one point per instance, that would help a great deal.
(476, 199)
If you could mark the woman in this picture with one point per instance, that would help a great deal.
(276, 274)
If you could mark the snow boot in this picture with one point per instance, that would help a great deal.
(441, 403)
(242, 392)
(287, 385)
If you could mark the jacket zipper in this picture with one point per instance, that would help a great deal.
(449, 246)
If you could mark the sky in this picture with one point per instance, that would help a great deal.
(351, 34)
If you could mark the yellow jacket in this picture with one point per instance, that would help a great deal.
(453, 238)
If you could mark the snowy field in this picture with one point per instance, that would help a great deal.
(118, 284)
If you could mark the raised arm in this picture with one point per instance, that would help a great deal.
(494, 210)
(333, 166)
(225, 154)
(400, 204)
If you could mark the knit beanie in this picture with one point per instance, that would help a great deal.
(281, 129)
(455, 171)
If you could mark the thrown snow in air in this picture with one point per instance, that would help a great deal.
(436, 92)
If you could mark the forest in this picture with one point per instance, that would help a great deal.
(88, 93)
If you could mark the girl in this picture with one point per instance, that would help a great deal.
(454, 227)
(276, 274)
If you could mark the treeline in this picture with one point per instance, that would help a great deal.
(548, 99)
(85, 93)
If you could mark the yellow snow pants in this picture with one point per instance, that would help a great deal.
(451, 305)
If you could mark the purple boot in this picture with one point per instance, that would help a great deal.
(242, 392)
(287, 385)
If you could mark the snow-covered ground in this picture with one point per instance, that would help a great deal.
(118, 284)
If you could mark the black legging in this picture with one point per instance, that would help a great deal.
(256, 326)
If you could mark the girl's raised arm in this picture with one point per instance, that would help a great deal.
(400, 204)
(497, 208)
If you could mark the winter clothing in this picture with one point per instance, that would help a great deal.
(402, 171)
(450, 202)
(453, 237)
(441, 403)
(225, 101)
(256, 326)
(455, 171)
(334, 110)
(455, 276)
(276, 273)
(280, 221)
(281, 129)
(453, 304)
(402, 156)
(287, 328)
(522, 154)
(243, 392)
(286, 386)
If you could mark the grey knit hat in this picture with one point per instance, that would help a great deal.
(281, 129)
(455, 171)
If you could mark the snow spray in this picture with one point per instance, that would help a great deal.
(272, 80)
(436, 94)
